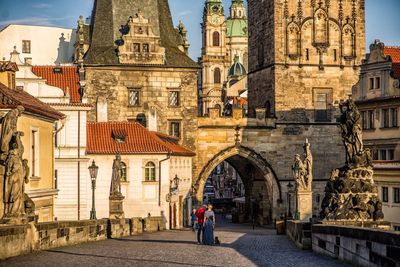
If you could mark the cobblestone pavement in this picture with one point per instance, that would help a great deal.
(241, 246)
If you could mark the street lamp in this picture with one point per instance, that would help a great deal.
(93, 170)
(290, 187)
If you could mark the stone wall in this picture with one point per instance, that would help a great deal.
(17, 240)
(299, 233)
(356, 245)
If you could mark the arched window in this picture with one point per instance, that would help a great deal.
(217, 76)
(216, 39)
(150, 171)
(123, 172)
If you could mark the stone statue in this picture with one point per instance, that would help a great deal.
(350, 193)
(14, 186)
(308, 164)
(299, 173)
(9, 129)
(302, 169)
(115, 189)
(350, 125)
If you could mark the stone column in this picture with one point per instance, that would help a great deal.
(304, 205)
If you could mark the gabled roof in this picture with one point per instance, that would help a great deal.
(109, 15)
(394, 53)
(11, 98)
(101, 139)
(8, 66)
(66, 79)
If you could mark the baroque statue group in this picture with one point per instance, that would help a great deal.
(14, 171)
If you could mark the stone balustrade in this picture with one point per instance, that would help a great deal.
(356, 245)
(300, 233)
(17, 240)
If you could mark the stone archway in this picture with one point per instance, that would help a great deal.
(259, 178)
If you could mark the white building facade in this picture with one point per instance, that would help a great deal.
(151, 161)
(39, 45)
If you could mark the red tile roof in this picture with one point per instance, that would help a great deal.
(8, 66)
(11, 98)
(138, 140)
(67, 79)
(394, 53)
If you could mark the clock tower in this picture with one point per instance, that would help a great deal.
(214, 59)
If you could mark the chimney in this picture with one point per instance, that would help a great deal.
(28, 61)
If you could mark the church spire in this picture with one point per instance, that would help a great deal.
(237, 9)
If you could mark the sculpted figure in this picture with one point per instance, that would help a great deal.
(308, 164)
(299, 173)
(14, 185)
(9, 129)
(115, 189)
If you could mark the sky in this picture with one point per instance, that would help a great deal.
(382, 21)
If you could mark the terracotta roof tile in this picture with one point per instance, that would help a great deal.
(67, 78)
(11, 98)
(138, 140)
(394, 53)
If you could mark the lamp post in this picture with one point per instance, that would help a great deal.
(290, 187)
(93, 170)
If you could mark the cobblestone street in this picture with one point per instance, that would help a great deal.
(241, 246)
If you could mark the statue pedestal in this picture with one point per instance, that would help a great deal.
(304, 205)
(116, 207)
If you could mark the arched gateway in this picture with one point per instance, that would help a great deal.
(259, 179)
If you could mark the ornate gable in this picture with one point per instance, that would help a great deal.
(139, 44)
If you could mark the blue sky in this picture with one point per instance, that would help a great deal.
(382, 16)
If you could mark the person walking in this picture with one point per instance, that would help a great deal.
(209, 225)
(193, 218)
(200, 221)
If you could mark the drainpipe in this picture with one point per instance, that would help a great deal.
(159, 177)
(79, 165)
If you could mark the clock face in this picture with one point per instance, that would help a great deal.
(216, 20)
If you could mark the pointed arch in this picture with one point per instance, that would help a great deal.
(348, 42)
(321, 20)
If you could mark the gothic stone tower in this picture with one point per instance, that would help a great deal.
(304, 56)
(137, 69)
(214, 60)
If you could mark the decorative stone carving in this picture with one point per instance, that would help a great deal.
(14, 171)
(116, 198)
(302, 174)
(350, 193)
(138, 44)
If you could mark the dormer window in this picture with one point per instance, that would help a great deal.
(146, 48)
(374, 83)
(136, 48)
(57, 70)
(119, 136)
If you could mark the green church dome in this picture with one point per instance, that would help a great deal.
(236, 27)
(237, 69)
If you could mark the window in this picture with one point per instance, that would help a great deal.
(307, 54)
(377, 82)
(216, 39)
(321, 109)
(11, 80)
(335, 55)
(385, 194)
(55, 179)
(123, 172)
(150, 171)
(217, 76)
(141, 119)
(393, 117)
(34, 154)
(368, 119)
(374, 83)
(260, 54)
(134, 97)
(136, 47)
(146, 48)
(385, 118)
(173, 98)
(371, 83)
(382, 154)
(174, 128)
(390, 154)
(396, 195)
(26, 46)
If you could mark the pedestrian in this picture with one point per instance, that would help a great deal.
(194, 219)
(209, 225)
(200, 221)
